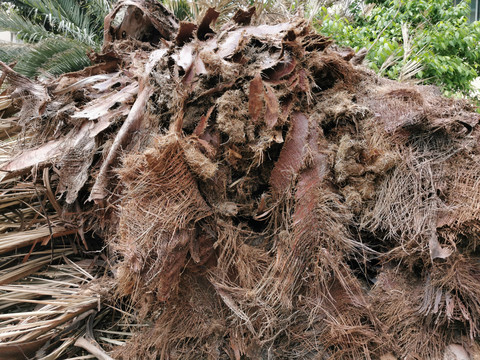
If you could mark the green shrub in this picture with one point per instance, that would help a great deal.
(430, 40)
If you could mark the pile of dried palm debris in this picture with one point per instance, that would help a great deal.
(244, 192)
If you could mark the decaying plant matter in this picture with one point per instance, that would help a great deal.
(260, 195)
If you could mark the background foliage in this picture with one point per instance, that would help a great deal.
(55, 34)
(430, 40)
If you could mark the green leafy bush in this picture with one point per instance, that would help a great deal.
(430, 40)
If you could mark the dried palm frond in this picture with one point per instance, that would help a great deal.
(38, 260)
(411, 67)
(43, 303)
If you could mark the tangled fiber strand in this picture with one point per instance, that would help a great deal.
(396, 301)
(451, 294)
(194, 328)
(408, 203)
(157, 219)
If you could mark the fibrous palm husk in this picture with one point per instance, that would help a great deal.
(261, 194)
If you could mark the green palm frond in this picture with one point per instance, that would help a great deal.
(69, 11)
(226, 7)
(72, 28)
(193, 10)
(71, 18)
(183, 9)
(70, 56)
(97, 10)
(54, 56)
(25, 29)
(13, 52)
(66, 17)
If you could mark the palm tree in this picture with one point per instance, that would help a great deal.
(55, 35)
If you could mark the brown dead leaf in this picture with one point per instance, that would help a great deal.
(83, 82)
(202, 124)
(272, 107)
(279, 71)
(303, 83)
(32, 157)
(54, 149)
(185, 33)
(204, 28)
(231, 42)
(292, 155)
(255, 98)
(145, 20)
(310, 179)
(243, 17)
